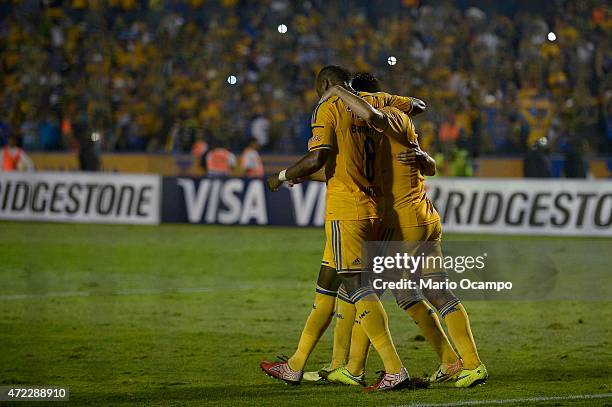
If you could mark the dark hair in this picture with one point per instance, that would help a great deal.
(337, 75)
(365, 82)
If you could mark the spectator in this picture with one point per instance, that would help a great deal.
(6, 131)
(251, 165)
(449, 134)
(200, 147)
(536, 163)
(154, 64)
(89, 159)
(14, 158)
(574, 165)
(49, 133)
(260, 128)
(220, 162)
(29, 134)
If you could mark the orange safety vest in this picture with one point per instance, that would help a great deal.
(9, 162)
(258, 171)
(218, 161)
(449, 132)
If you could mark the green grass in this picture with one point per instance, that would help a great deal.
(251, 292)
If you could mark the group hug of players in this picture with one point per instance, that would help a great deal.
(364, 146)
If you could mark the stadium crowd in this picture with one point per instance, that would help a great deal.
(152, 75)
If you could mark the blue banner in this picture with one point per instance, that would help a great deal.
(468, 205)
(237, 201)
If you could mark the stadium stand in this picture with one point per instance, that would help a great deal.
(150, 76)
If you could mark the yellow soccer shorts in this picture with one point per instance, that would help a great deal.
(423, 233)
(345, 244)
(423, 240)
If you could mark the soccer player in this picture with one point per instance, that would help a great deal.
(347, 148)
(412, 218)
(409, 300)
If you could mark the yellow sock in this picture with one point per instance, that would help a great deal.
(460, 333)
(345, 318)
(317, 322)
(429, 324)
(373, 319)
(358, 355)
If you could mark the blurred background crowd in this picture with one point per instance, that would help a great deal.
(499, 78)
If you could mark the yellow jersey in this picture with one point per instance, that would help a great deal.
(403, 185)
(354, 170)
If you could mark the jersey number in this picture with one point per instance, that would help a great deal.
(369, 154)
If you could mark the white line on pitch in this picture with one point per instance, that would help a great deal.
(512, 401)
(131, 291)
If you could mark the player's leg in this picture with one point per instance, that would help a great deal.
(457, 321)
(344, 315)
(430, 327)
(360, 347)
(458, 324)
(459, 330)
(319, 318)
(345, 342)
(291, 369)
(353, 373)
(345, 319)
(423, 315)
(348, 240)
(351, 345)
(372, 317)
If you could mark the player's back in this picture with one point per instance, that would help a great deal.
(354, 169)
(403, 185)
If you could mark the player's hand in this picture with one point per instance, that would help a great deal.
(295, 181)
(274, 183)
(412, 156)
(407, 157)
(328, 93)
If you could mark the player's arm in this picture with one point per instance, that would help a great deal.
(407, 104)
(307, 166)
(320, 147)
(318, 176)
(400, 126)
(374, 117)
(416, 156)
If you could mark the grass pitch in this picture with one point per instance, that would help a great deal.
(182, 315)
